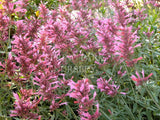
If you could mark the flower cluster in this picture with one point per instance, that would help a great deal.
(109, 89)
(9, 66)
(117, 39)
(139, 80)
(24, 106)
(81, 92)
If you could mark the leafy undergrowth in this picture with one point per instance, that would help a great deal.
(79, 59)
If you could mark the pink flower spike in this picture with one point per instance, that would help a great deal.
(121, 73)
(139, 80)
(16, 96)
(24, 107)
(109, 89)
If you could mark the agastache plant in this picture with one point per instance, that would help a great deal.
(117, 39)
(81, 92)
(105, 30)
(46, 40)
(126, 36)
(9, 66)
(140, 80)
(4, 23)
(47, 85)
(126, 48)
(24, 106)
(88, 116)
(48, 89)
(109, 89)
(23, 49)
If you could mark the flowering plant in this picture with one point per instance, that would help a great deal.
(75, 59)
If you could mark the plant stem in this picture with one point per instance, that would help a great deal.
(75, 117)
(62, 115)
(105, 114)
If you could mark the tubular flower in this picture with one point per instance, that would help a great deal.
(139, 80)
(87, 116)
(81, 92)
(109, 89)
(24, 107)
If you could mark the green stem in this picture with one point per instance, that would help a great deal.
(63, 115)
(75, 117)
(105, 114)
